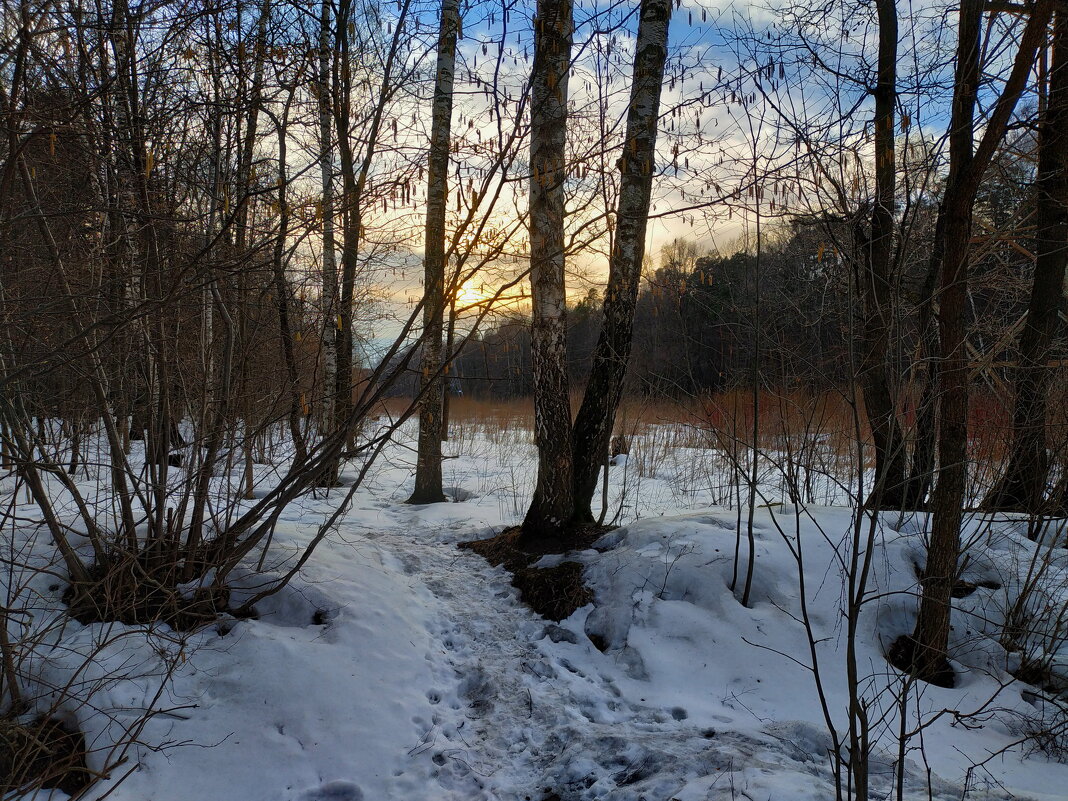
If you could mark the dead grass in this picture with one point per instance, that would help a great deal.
(783, 412)
(45, 754)
(134, 590)
(692, 423)
(807, 439)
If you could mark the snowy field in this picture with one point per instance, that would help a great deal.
(399, 667)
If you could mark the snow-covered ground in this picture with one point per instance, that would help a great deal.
(399, 667)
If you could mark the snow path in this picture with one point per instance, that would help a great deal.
(397, 667)
(514, 719)
(518, 713)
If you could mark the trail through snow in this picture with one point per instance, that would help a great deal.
(514, 718)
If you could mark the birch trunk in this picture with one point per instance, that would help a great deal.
(596, 417)
(551, 508)
(328, 418)
(428, 465)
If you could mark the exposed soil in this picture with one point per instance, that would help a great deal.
(553, 592)
(962, 589)
(1038, 673)
(902, 655)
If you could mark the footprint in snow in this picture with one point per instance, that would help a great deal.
(333, 791)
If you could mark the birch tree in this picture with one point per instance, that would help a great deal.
(331, 318)
(596, 416)
(428, 466)
(552, 504)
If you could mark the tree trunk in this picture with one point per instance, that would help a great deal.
(328, 415)
(921, 471)
(551, 508)
(450, 341)
(930, 639)
(350, 225)
(244, 179)
(596, 417)
(428, 464)
(876, 277)
(1023, 487)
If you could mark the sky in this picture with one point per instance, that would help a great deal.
(748, 122)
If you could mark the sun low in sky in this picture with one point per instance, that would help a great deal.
(479, 292)
(473, 293)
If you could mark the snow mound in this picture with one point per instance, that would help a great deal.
(670, 632)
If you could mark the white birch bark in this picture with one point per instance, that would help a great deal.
(329, 274)
(428, 465)
(550, 509)
(593, 426)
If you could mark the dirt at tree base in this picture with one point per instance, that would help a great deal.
(46, 754)
(902, 655)
(553, 592)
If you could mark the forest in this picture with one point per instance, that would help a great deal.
(553, 400)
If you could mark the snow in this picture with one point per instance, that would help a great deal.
(397, 666)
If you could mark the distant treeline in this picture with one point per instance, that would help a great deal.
(785, 317)
(698, 325)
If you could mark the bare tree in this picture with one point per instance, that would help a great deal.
(1023, 486)
(925, 654)
(876, 277)
(356, 159)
